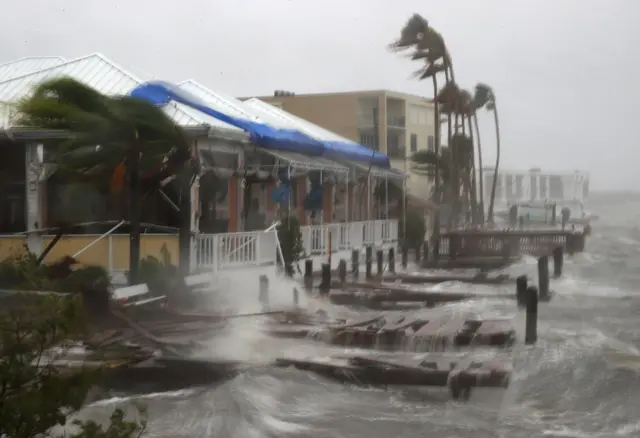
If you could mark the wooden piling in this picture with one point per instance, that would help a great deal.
(380, 261)
(418, 254)
(392, 260)
(425, 250)
(543, 278)
(521, 291)
(308, 274)
(405, 257)
(368, 261)
(531, 323)
(296, 297)
(325, 284)
(355, 263)
(342, 270)
(263, 294)
(558, 261)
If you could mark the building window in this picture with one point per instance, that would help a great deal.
(431, 143)
(369, 139)
(414, 142)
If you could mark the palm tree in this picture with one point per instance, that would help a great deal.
(477, 103)
(111, 137)
(485, 97)
(429, 46)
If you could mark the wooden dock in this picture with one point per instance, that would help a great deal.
(459, 376)
(407, 333)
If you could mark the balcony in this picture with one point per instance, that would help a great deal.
(394, 121)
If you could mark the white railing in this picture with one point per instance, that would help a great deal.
(315, 238)
(229, 250)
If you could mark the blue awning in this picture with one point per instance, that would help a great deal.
(161, 93)
(354, 152)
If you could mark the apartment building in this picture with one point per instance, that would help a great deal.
(396, 124)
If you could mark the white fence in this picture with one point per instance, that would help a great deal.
(259, 248)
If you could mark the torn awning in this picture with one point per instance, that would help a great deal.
(300, 161)
(378, 171)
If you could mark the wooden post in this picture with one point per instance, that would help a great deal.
(405, 257)
(392, 261)
(380, 260)
(418, 253)
(531, 324)
(325, 284)
(368, 262)
(342, 270)
(355, 263)
(558, 261)
(263, 294)
(425, 251)
(521, 291)
(329, 248)
(543, 278)
(296, 297)
(308, 273)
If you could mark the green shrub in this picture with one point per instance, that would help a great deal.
(415, 229)
(36, 396)
(290, 239)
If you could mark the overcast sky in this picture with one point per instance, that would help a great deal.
(566, 72)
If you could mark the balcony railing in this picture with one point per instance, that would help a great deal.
(396, 121)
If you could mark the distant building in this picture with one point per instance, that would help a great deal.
(536, 186)
(396, 124)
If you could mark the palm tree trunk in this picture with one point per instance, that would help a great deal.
(480, 171)
(184, 236)
(452, 197)
(474, 192)
(135, 212)
(495, 172)
(435, 244)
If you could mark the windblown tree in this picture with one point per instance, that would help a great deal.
(477, 103)
(485, 98)
(429, 47)
(116, 140)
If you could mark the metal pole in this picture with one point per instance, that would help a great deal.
(99, 239)
(404, 209)
(322, 215)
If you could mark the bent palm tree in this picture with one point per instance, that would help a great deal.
(485, 97)
(428, 45)
(111, 136)
(477, 103)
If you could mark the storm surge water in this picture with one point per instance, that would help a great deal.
(580, 380)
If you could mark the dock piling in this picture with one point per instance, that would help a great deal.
(308, 273)
(425, 250)
(521, 291)
(531, 324)
(558, 261)
(296, 297)
(368, 256)
(392, 260)
(543, 278)
(418, 251)
(263, 294)
(405, 257)
(325, 284)
(355, 263)
(342, 270)
(380, 261)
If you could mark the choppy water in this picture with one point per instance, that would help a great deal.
(581, 380)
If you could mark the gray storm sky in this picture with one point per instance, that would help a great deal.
(566, 72)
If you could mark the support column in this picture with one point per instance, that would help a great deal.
(327, 203)
(196, 211)
(302, 192)
(34, 196)
(234, 202)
